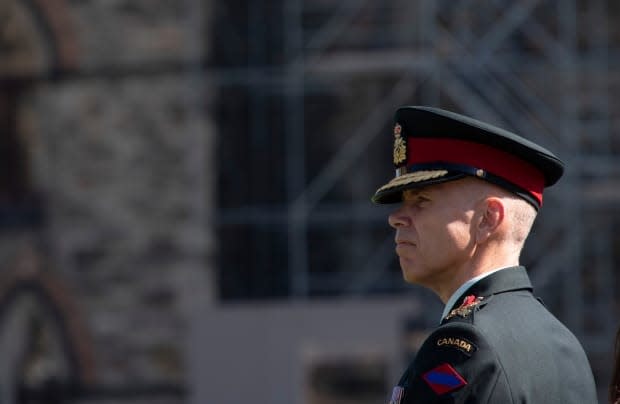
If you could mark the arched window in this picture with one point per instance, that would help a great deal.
(19, 203)
(22, 61)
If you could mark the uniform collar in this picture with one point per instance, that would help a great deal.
(489, 283)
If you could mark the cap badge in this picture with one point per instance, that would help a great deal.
(469, 304)
(400, 146)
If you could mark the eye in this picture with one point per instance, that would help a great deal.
(416, 198)
(421, 200)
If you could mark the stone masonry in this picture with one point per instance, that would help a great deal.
(118, 148)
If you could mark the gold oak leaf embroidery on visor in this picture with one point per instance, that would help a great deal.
(416, 176)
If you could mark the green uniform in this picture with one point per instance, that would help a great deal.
(499, 345)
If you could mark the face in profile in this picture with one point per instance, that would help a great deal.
(434, 232)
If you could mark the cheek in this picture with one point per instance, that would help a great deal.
(460, 235)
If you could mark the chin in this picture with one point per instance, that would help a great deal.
(408, 270)
(415, 278)
(410, 278)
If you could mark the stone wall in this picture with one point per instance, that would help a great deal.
(118, 150)
(120, 196)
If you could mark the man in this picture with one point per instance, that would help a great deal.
(469, 193)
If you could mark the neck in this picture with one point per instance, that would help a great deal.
(474, 268)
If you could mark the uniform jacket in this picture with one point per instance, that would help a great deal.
(499, 345)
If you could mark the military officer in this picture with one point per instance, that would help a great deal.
(467, 195)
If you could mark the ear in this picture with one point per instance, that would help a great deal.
(492, 217)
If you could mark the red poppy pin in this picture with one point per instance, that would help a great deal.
(469, 304)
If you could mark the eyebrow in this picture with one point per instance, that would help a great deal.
(413, 193)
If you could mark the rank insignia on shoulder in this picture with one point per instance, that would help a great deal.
(397, 395)
(469, 304)
(444, 379)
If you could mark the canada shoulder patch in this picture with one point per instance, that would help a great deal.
(462, 344)
(444, 379)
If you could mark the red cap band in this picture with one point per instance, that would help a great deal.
(477, 155)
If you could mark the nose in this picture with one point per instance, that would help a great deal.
(397, 218)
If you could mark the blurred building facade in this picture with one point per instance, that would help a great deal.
(184, 200)
(104, 146)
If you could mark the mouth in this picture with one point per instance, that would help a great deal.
(403, 242)
(403, 248)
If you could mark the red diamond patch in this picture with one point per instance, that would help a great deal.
(444, 379)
